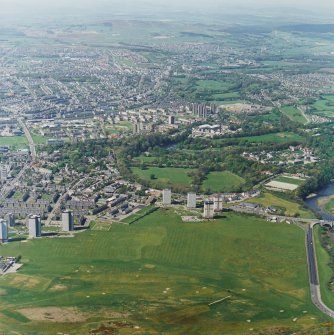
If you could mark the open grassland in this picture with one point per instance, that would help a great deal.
(14, 142)
(223, 181)
(325, 106)
(279, 138)
(290, 207)
(164, 177)
(159, 276)
(324, 270)
(294, 114)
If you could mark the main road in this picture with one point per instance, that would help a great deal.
(29, 138)
(313, 274)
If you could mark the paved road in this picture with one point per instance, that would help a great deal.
(313, 274)
(30, 139)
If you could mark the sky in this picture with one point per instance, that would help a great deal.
(167, 3)
(67, 8)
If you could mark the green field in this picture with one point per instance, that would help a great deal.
(289, 207)
(165, 177)
(325, 106)
(15, 142)
(324, 271)
(224, 181)
(158, 277)
(278, 138)
(294, 114)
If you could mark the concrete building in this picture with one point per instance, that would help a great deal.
(166, 196)
(35, 226)
(171, 119)
(218, 203)
(10, 217)
(191, 200)
(3, 231)
(68, 220)
(3, 172)
(208, 209)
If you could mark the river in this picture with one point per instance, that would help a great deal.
(312, 202)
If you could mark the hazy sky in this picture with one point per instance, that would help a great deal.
(167, 3)
(66, 8)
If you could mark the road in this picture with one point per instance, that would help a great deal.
(29, 138)
(313, 274)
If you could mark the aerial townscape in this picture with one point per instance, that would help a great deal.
(166, 169)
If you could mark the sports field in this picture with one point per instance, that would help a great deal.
(15, 142)
(159, 276)
(223, 181)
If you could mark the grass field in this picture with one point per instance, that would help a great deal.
(324, 271)
(294, 114)
(275, 138)
(15, 142)
(325, 105)
(290, 207)
(158, 277)
(164, 177)
(224, 181)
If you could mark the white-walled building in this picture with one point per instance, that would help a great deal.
(34, 226)
(191, 200)
(166, 196)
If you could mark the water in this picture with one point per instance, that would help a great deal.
(312, 202)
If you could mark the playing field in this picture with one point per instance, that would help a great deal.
(223, 181)
(15, 142)
(158, 276)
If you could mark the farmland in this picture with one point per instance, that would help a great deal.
(158, 276)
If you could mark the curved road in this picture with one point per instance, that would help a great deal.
(313, 274)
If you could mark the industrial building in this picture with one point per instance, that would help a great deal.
(167, 196)
(3, 231)
(34, 226)
(191, 200)
(208, 209)
(68, 220)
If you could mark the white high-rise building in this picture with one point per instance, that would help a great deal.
(208, 209)
(3, 172)
(166, 196)
(10, 219)
(68, 220)
(35, 226)
(191, 200)
(3, 231)
(218, 203)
